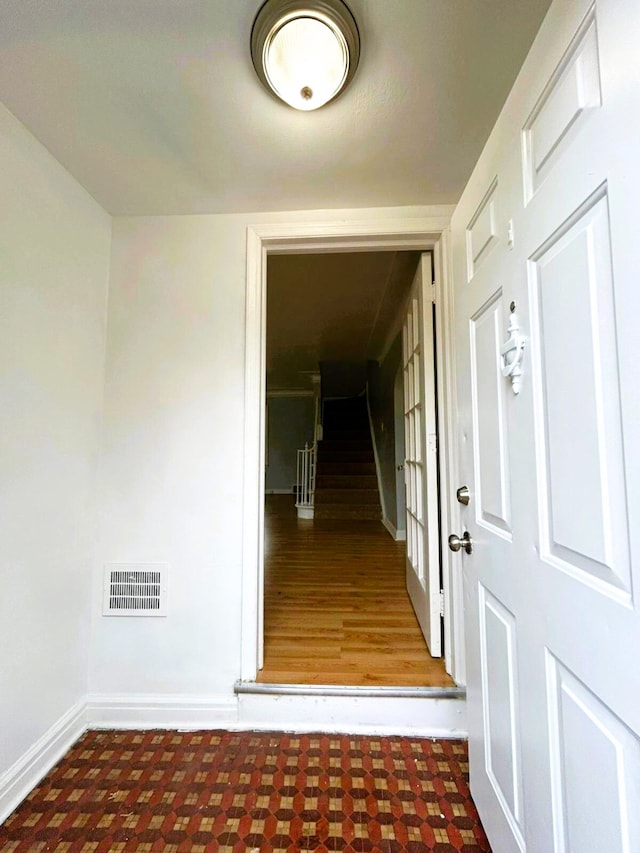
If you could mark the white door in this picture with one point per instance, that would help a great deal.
(420, 467)
(552, 583)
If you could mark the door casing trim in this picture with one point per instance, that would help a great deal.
(420, 234)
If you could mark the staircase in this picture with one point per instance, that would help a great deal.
(346, 482)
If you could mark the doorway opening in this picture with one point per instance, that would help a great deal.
(345, 602)
(262, 247)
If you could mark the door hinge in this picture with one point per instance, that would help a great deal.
(432, 442)
(442, 603)
(433, 292)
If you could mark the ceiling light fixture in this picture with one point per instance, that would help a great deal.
(305, 51)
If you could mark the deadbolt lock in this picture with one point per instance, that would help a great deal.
(463, 495)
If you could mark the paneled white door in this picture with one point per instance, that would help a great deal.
(545, 240)
(421, 458)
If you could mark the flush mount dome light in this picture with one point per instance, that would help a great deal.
(305, 51)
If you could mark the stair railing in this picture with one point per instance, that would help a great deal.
(306, 470)
(305, 486)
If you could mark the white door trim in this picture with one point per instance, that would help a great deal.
(419, 234)
(422, 570)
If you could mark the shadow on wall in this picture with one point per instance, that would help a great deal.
(381, 383)
(342, 379)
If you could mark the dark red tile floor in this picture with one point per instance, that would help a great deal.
(228, 791)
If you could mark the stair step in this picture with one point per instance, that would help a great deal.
(341, 456)
(346, 433)
(347, 445)
(346, 481)
(346, 407)
(347, 496)
(339, 468)
(341, 434)
(368, 512)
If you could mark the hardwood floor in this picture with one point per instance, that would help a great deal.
(336, 607)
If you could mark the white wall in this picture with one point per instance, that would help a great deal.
(172, 456)
(290, 427)
(54, 257)
(173, 443)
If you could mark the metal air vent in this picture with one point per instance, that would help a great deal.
(135, 589)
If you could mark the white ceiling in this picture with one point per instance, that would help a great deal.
(153, 105)
(331, 307)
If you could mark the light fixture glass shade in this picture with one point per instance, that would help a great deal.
(305, 51)
(306, 62)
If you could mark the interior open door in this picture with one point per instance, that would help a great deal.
(421, 457)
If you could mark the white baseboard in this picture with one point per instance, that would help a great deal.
(426, 717)
(397, 535)
(305, 511)
(159, 711)
(418, 717)
(23, 776)
(429, 717)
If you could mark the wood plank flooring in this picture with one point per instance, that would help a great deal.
(336, 607)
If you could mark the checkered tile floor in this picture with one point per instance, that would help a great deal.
(227, 791)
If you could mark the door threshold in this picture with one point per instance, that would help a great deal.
(259, 688)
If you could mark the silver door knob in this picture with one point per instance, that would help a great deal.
(456, 543)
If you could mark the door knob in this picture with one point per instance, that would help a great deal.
(400, 467)
(456, 543)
